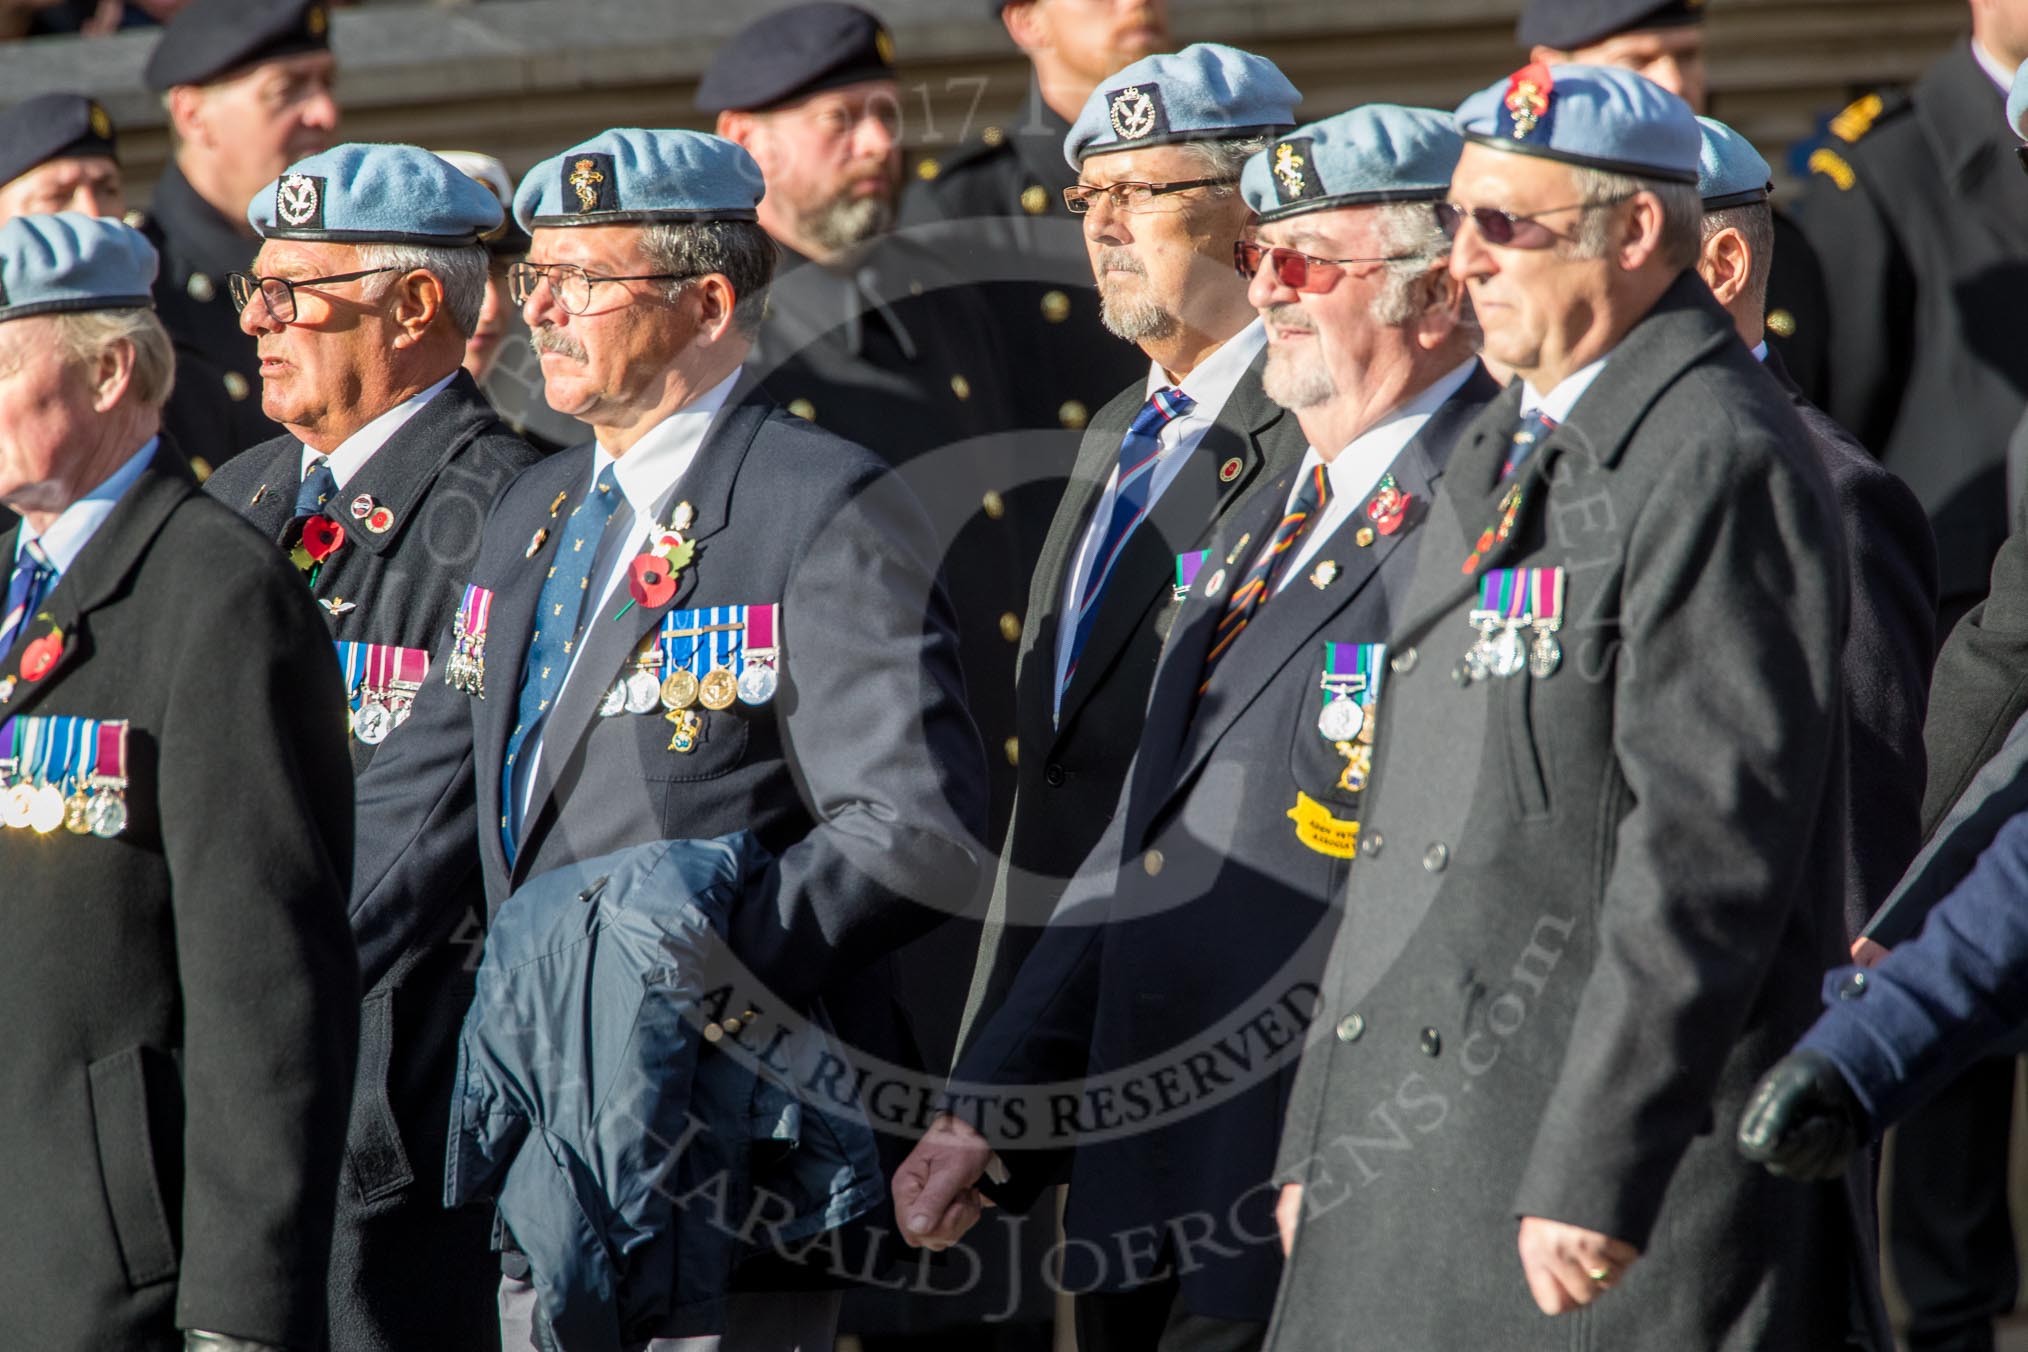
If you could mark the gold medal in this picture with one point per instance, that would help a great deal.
(718, 689)
(679, 689)
(77, 814)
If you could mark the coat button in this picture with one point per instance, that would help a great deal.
(995, 505)
(1054, 776)
(1012, 746)
(732, 1025)
(712, 1032)
(1152, 862)
(1073, 414)
(1371, 843)
(1055, 306)
(1435, 857)
(1350, 1028)
(1010, 626)
(1853, 986)
(1402, 662)
(1431, 1042)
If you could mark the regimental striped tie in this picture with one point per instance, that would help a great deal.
(25, 590)
(1529, 430)
(1258, 585)
(1132, 499)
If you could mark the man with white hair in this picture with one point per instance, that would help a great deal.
(366, 288)
(178, 983)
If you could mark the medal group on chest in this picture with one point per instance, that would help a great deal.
(64, 772)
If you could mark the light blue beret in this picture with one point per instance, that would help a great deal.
(1205, 92)
(374, 194)
(1730, 173)
(628, 176)
(71, 261)
(1598, 116)
(1380, 152)
(2017, 102)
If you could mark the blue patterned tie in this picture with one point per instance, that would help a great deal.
(25, 590)
(559, 619)
(320, 485)
(1139, 450)
(1529, 430)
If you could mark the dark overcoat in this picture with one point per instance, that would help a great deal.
(437, 476)
(180, 999)
(1591, 908)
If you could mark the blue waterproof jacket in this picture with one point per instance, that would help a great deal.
(642, 1117)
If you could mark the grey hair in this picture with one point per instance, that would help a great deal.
(1224, 159)
(740, 251)
(1682, 214)
(460, 271)
(82, 335)
(1755, 223)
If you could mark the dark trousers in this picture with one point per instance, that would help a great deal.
(1950, 1235)
(1151, 1318)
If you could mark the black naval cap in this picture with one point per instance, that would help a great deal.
(791, 52)
(50, 126)
(212, 38)
(1569, 24)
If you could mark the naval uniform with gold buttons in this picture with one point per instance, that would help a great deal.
(1593, 899)
(1215, 878)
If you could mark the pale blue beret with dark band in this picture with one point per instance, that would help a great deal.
(1601, 117)
(375, 194)
(1206, 92)
(630, 176)
(1378, 152)
(1731, 173)
(70, 262)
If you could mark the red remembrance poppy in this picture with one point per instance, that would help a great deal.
(650, 581)
(39, 656)
(321, 537)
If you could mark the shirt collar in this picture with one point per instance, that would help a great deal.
(1557, 404)
(1215, 378)
(653, 465)
(1760, 350)
(1354, 469)
(76, 524)
(349, 456)
(1998, 71)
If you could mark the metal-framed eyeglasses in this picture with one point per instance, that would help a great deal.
(1127, 196)
(279, 293)
(1299, 271)
(1508, 229)
(571, 284)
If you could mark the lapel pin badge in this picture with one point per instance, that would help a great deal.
(1324, 574)
(1229, 471)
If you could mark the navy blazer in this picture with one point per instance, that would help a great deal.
(1203, 914)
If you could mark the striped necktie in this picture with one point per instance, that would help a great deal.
(1132, 499)
(25, 590)
(1258, 585)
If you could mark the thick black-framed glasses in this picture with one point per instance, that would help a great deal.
(1299, 271)
(279, 293)
(1509, 230)
(1126, 196)
(571, 284)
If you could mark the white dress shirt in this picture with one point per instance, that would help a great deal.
(350, 455)
(1557, 404)
(645, 475)
(1357, 470)
(1210, 385)
(76, 524)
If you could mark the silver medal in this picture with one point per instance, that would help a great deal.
(1545, 654)
(643, 693)
(615, 701)
(372, 723)
(47, 813)
(757, 684)
(1341, 719)
(17, 805)
(108, 815)
(1510, 654)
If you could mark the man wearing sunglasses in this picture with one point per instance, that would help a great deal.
(1158, 149)
(370, 278)
(1600, 866)
(1212, 886)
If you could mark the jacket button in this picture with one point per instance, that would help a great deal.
(1350, 1028)
(1010, 626)
(1370, 845)
(1853, 986)
(1152, 862)
(1462, 674)
(732, 1025)
(1431, 1042)
(995, 505)
(1054, 776)
(712, 1032)
(1012, 746)
(1435, 857)
(1402, 662)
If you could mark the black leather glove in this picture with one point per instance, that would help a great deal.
(1803, 1121)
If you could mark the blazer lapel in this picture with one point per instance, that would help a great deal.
(397, 476)
(271, 504)
(611, 638)
(96, 576)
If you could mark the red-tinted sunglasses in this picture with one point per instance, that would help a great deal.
(1297, 271)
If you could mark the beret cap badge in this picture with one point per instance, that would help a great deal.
(299, 200)
(102, 126)
(316, 21)
(1291, 158)
(589, 178)
(1133, 113)
(1527, 99)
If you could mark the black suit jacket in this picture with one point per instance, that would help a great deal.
(1204, 910)
(1073, 768)
(179, 1000)
(1892, 559)
(438, 475)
